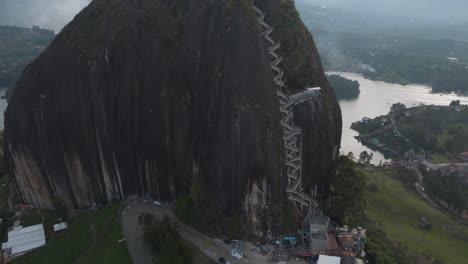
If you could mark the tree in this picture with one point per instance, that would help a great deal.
(455, 103)
(163, 240)
(365, 158)
(397, 107)
(347, 192)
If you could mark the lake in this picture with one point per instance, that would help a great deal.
(375, 99)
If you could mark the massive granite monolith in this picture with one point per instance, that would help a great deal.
(147, 97)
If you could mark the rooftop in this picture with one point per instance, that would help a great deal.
(319, 220)
(60, 226)
(323, 259)
(24, 239)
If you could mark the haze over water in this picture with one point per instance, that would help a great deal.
(375, 99)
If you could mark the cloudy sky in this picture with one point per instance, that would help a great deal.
(52, 14)
(423, 9)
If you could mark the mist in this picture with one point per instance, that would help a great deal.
(427, 10)
(49, 14)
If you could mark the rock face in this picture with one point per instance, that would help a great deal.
(148, 96)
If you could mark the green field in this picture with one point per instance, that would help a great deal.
(92, 238)
(399, 211)
(440, 158)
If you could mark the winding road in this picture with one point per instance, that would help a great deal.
(213, 248)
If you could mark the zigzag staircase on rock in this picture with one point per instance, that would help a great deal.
(292, 135)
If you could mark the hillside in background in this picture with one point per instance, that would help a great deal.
(390, 48)
(18, 48)
(50, 14)
(421, 12)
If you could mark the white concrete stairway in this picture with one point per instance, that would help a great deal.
(292, 135)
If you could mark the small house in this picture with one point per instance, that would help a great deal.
(60, 226)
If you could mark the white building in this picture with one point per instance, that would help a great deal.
(60, 226)
(323, 259)
(22, 240)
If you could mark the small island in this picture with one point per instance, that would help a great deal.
(344, 88)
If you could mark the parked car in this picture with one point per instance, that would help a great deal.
(157, 202)
(228, 242)
(223, 261)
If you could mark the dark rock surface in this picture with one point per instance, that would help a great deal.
(147, 96)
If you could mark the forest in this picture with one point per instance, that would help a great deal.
(344, 88)
(441, 64)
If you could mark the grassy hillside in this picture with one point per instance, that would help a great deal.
(92, 238)
(400, 210)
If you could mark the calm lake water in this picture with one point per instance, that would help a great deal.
(375, 99)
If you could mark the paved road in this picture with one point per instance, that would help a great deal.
(213, 248)
(134, 232)
(443, 165)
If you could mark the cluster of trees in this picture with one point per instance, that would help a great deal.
(449, 188)
(346, 201)
(346, 204)
(163, 240)
(439, 130)
(196, 209)
(364, 158)
(455, 103)
(344, 88)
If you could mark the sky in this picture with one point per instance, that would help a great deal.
(55, 14)
(418, 9)
(50, 14)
